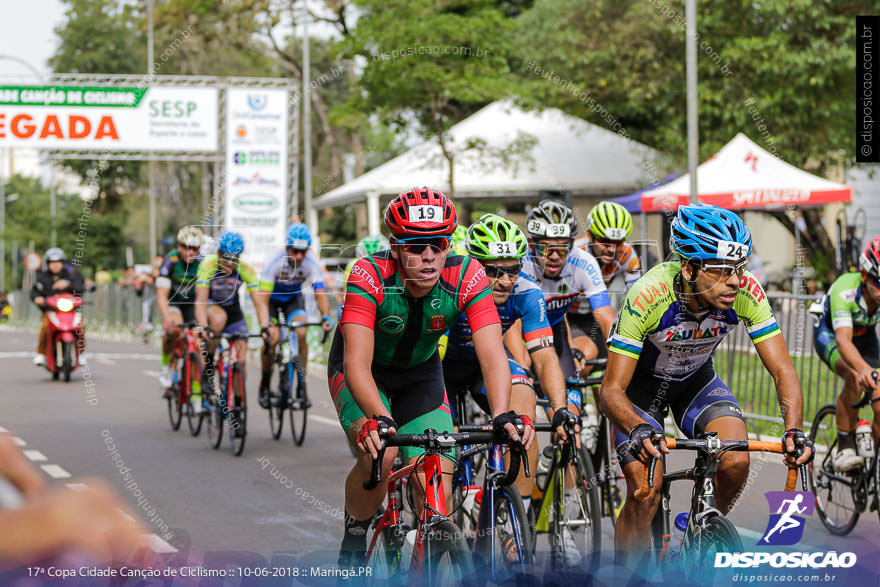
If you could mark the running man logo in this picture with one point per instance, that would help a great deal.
(786, 525)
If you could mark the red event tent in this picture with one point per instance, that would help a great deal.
(742, 175)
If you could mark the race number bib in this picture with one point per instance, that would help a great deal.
(731, 251)
(502, 249)
(425, 213)
(615, 234)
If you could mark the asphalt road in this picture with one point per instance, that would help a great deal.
(277, 502)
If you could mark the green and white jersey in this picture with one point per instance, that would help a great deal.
(845, 306)
(656, 328)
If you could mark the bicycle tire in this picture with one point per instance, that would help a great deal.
(510, 521)
(587, 512)
(237, 410)
(190, 370)
(67, 366)
(830, 494)
(385, 559)
(175, 408)
(876, 471)
(215, 421)
(448, 559)
(276, 414)
(299, 405)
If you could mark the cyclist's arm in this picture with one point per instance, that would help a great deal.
(777, 361)
(494, 367)
(513, 340)
(162, 301)
(261, 304)
(605, 318)
(849, 352)
(612, 394)
(321, 295)
(546, 366)
(201, 305)
(357, 363)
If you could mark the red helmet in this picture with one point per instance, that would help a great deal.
(421, 212)
(870, 259)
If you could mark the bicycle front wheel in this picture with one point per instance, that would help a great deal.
(215, 421)
(715, 534)
(835, 501)
(508, 548)
(299, 403)
(175, 407)
(237, 411)
(576, 524)
(190, 373)
(447, 556)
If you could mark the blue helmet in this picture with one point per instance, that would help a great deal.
(701, 231)
(230, 243)
(299, 236)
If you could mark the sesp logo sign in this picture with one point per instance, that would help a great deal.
(257, 101)
(787, 511)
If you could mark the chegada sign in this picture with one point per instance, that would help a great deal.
(109, 118)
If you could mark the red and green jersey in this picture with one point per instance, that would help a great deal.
(406, 328)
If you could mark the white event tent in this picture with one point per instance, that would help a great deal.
(570, 155)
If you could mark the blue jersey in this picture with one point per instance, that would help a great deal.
(526, 302)
(286, 281)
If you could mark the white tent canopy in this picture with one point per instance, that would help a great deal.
(570, 155)
(742, 175)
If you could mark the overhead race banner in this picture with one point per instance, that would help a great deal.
(114, 119)
(256, 170)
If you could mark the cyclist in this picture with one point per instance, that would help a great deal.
(609, 226)
(383, 361)
(283, 280)
(175, 295)
(57, 278)
(845, 339)
(217, 306)
(500, 245)
(672, 320)
(563, 272)
(459, 240)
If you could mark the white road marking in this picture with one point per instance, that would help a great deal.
(18, 441)
(159, 546)
(124, 515)
(323, 420)
(149, 373)
(129, 356)
(2, 429)
(105, 361)
(76, 486)
(35, 455)
(55, 471)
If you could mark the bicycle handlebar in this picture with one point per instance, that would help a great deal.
(867, 396)
(319, 323)
(719, 446)
(433, 440)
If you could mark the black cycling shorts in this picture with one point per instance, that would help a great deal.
(563, 350)
(291, 307)
(586, 325)
(188, 311)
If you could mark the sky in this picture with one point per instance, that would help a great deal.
(29, 34)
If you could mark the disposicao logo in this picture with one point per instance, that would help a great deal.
(786, 526)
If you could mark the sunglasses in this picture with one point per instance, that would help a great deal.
(226, 257)
(187, 247)
(544, 250)
(297, 251)
(722, 271)
(608, 241)
(417, 245)
(496, 271)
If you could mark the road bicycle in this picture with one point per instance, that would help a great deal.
(186, 374)
(708, 530)
(496, 524)
(227, 404)
(841, 497)
(291, 394)
(440, 554)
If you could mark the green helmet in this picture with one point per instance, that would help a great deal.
(459, 247)
(610, 220)
(371, 244)
(494, 237)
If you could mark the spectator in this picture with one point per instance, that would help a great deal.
(103, 277)
(129, 279)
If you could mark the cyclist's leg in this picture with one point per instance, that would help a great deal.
(217, 319)
(825, 345)
(714, 408)
(267, 357)
(566, 362)
(303, 345)
(173, 336)
(239, 326)
(871, 353)
(632, 533)
(581, 338)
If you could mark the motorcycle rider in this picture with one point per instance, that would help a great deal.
(57, 278)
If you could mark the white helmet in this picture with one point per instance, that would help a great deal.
(191, 236)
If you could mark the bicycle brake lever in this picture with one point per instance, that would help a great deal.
(525, 461)
(376, 471)
(803, 469)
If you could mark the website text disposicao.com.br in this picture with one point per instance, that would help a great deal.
(785, 560)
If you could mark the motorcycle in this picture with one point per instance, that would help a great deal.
(64, 335)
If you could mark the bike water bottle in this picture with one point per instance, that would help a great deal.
(544, 466)
(406, 552)
(864, 441)
(470, 509)
(681, 523)
(285, 352)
